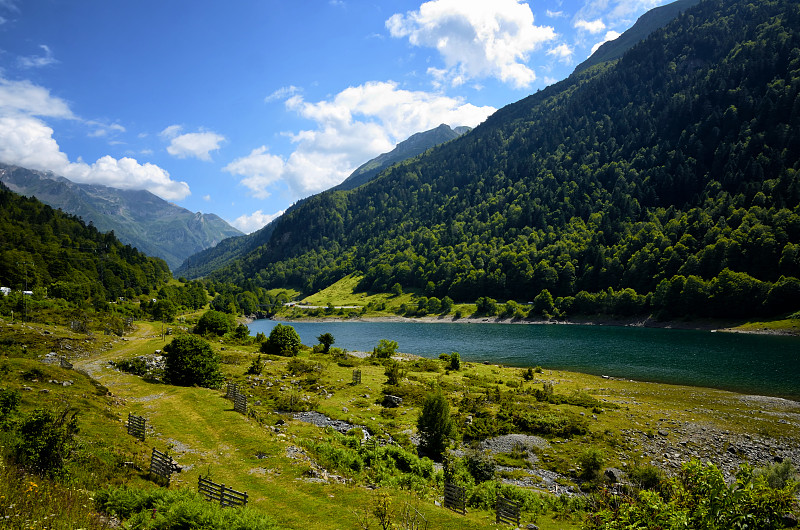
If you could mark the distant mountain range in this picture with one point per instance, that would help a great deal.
(230, 249)
(137, 217)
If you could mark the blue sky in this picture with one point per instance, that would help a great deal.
(241, 108)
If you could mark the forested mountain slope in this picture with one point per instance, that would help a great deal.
(137, 217)
(673, 171)
(46, 249)
(235, 247)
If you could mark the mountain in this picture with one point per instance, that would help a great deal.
(668, 181)
(644, 26)
(213, 258)
(137, 217)
(46, 249)
(415, 145)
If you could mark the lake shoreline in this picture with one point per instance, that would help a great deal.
(713, 326)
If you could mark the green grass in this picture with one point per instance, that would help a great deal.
(787, 325)
(249, 453)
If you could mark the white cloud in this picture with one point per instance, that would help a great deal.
(255, 221)
(26, 98)
(282, 93)
(562, 52)
(352, 127)
(207, 198)
(38, 61)
(554, 14)
(476, 38)
(593, 27)
(610, 35)
(198, 145)
(27, 141)
(103, 129)
(259, 169)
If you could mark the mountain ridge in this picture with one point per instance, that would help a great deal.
(137, 217)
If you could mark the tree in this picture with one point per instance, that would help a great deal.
(189, 360)
(283, 340)
(455, 361)
(434, 424)
(214, 323)
(385, 349)
(326, 339)
(164, 310)
(397, 289)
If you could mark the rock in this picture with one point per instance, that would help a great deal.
(788, 520)
(663, 432)
(390, 401)
(614, 475)
(532, 526)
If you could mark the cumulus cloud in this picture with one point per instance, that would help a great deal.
(476, 38)
(352, 127)
(38, 61)
(255, 221)
(27, 141)
(23, 97)
(562, 52)
(594, 26)
(198, 144)
(610, 35)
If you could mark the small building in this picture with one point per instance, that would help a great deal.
(5, 290)
(27, 293)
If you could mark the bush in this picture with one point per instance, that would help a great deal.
(435, 425)
(591, 461)
(182, 508)
(214, 323)
(189, 360)
(45, 440)
(326, 340)
(385, 349)
(283, 340)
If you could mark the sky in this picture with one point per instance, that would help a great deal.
(242, 108)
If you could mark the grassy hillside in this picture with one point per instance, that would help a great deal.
(299, 475)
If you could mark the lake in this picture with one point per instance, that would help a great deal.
(754, 364)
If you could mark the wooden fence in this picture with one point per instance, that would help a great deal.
(454, 498)
(507, 511)
(220, 493)
(162, 465)
(239, 399)
(240, 403)
(412, 519)
(136, 426)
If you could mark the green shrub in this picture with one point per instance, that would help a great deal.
(182, 508)
(189, 360)
(385, 349)
(591, 461)
(135, 366)
(45, 440)
(215, 323)
(283, 340)
(434, 424)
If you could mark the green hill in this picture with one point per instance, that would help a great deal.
(48, 251)
(137, 217)
(666, 181)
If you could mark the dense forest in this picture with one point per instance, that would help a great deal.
(665, 181)
(48, 251)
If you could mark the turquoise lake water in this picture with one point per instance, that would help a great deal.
(756, 364)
